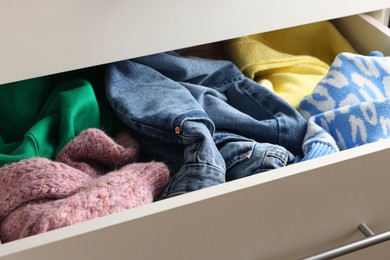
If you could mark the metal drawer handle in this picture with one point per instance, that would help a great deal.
(370, 240)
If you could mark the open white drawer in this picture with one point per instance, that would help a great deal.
(287, 213)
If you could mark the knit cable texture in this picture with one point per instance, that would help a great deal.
(92, 176)
(351, 102)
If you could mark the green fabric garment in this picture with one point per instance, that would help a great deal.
(39, 116)
(110, 123)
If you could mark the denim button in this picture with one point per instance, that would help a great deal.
(177, 130)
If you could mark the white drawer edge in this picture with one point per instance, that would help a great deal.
(365, 33)
(382, 16)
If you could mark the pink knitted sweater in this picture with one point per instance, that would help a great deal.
(92, 176)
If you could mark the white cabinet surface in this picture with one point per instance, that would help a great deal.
(49, 36)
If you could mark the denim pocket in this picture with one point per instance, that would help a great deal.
(244, 157)
(276, 157)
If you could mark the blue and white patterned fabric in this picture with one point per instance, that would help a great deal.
(351, 103)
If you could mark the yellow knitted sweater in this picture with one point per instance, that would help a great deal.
(290, 61)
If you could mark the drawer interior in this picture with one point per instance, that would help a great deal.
(365, 33)
(281, 214)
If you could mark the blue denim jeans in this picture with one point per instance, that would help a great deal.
(190, 101)
(243, 156)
